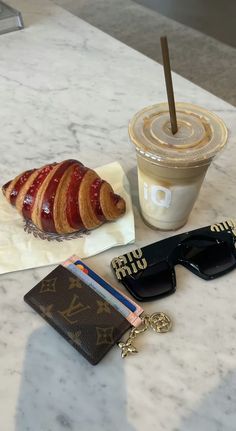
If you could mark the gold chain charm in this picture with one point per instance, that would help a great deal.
(159, 322)
(127, 347)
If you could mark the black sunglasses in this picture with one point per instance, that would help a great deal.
(148, 273)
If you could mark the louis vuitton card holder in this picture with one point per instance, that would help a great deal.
(69, 302)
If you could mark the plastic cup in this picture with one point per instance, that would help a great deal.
(171, 168)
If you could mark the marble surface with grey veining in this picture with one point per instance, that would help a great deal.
(141, 23)
(69, 90)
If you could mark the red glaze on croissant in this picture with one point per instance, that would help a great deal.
(64, 197)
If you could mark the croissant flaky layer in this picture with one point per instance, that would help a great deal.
(64, 197)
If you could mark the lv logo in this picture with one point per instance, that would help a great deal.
(129, 264)
(75, 307)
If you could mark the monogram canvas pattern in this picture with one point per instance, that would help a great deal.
(48, 285)
(103, 307)
(104, 336)
(74, 283)
(71, 312)
(79, 314)
(46, 310)
(75, 337)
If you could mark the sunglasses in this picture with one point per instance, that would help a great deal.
(149, 273)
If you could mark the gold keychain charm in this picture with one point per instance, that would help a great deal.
(127, 347)
(159, 322)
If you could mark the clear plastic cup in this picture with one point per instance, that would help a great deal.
(171, 168)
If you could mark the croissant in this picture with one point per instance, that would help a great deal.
(64, 197)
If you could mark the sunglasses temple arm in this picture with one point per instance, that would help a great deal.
(233, 236)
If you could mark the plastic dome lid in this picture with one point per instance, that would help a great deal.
(201, 134)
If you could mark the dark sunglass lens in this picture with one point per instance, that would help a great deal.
(211, 257)
(157, 280)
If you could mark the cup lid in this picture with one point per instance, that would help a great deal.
(201, 134)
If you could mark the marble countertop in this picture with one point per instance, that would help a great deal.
(67, 90)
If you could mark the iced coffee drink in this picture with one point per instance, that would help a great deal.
(171, 168)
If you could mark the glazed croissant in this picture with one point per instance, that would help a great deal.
(64, 197)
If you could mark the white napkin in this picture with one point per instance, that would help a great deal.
(21, 250)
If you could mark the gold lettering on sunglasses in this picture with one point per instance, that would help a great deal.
(123, 272)
(225, 225)
(129, 264)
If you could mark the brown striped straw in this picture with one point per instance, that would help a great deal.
(169, 85)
